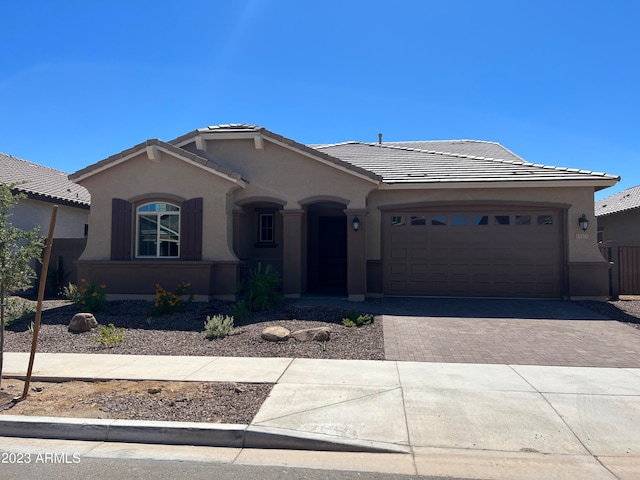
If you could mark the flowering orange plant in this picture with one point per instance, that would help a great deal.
(89, 296)
(167, 302)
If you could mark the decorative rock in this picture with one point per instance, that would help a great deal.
(320, 334)
(275, 334)
(82, 322)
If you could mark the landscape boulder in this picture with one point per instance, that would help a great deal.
(82, 322)
(275, 334)
(320, 334)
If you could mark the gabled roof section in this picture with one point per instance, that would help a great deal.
(152, 147)
(628, 199)
(456, 161)
(475, 148)
(242, 130)
(42, 182)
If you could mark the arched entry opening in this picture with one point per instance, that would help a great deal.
(258, 237)
(327, 254)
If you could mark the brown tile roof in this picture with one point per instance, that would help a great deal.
(247, 128)
(40, 181)
(628, 199)
(451, 161)
(419, 162)
(154, 142)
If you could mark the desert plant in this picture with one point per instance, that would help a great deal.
(18, 248)
(109, 336)
(218, 326)
(18, 309)
(352, 319)
(239, 310)
(168, 302)
(88, 296)
(261, 292)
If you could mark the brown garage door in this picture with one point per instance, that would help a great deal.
(473, 251)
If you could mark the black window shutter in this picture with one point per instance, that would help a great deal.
(191, 229)
(121, 227)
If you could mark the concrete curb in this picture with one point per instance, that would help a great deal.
(183, 433)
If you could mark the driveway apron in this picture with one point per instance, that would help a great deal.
(509, 331)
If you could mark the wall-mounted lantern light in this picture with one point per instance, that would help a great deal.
(583, 222)
(356, 223)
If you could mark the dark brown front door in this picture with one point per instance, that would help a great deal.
(332, 254)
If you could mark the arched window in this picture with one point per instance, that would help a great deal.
(158, 230)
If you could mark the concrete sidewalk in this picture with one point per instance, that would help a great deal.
(464, 420)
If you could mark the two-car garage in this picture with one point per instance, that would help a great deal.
(473, 250)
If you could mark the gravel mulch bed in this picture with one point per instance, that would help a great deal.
(627, 311)
(182, 333)
(139, 400)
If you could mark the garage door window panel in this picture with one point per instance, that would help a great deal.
(438, 220)
(398, 221)
(545, 220)
(459, 220)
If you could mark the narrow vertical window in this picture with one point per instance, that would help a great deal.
(267, 228)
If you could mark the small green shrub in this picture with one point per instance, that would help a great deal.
(110, 336)
(18, 309)
(261, 293)
(218, 326)
(89, 296)
(352, 319)
(169, 302)
(239, 310)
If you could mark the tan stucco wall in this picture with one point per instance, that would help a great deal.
(578, 200)
(169, 176)
(281, 173)
(70, 221)
(622, 228)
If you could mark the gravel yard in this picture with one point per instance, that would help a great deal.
(182, 333)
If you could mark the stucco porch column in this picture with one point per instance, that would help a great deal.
(238, 214)
(356, 255)
(292, 252)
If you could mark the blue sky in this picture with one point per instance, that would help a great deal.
(557, 82)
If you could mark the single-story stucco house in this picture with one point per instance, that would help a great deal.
(437, 218)
(619, 217)
(619, 237)
(44, 187)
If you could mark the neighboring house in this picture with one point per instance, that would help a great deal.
(619, 236)
(45, 187)
(446, 218)
(619, 217)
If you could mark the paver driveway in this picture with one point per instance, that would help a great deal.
(519, 332)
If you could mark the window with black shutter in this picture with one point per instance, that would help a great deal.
(121, 223)
(162, 230)
(191, 228)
